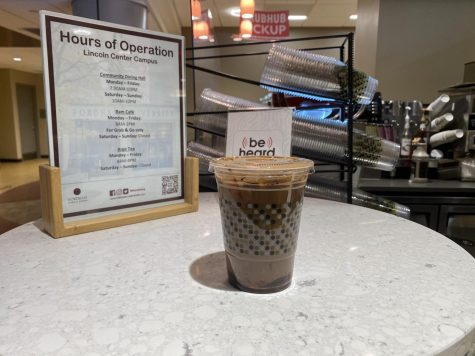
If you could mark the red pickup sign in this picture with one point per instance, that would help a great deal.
(270, 24)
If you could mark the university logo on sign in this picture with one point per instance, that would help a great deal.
(270, 24)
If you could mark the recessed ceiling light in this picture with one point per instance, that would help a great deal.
(353, 17)
(81, 32)
(297, 17)
(235, 11)
(17, 59)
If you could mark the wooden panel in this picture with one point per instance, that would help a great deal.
(192, 182)
(51, 200)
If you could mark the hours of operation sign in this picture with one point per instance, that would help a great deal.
(115, 114)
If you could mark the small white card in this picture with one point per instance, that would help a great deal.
(259, 133)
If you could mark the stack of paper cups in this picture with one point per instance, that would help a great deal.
(438, 104)
(440, 122)
(445, 137)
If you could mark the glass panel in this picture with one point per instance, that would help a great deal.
(421, 218)
(462, 227)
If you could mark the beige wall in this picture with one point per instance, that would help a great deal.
(421, 45)
(10, 139)
(366, 36)
(10, 147)
(42, 127)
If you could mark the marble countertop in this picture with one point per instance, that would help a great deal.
(365, 283)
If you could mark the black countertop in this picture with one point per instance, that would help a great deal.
(392, 186)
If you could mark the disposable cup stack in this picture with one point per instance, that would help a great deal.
(313, 76)
(314, 137)
(316, 186)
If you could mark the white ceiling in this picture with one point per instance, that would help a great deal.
(164, 15)
(326, 13)
(321, 13)
(18, 15)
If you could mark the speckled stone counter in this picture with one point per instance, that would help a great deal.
(365, 283)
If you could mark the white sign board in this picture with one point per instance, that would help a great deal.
(115, 109)
(259, 133)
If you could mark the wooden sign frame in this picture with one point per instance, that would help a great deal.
(134, 59)
(52, 209)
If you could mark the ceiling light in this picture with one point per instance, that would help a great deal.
(246, 28)
(235, 11)
(195, 9)
(200, 30)
(82, 32)
(297, 17)
(353, 17)
(17, 59)
(247, 9)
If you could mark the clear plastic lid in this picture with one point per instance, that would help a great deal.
(262, 164)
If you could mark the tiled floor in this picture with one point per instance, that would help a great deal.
(19, 193)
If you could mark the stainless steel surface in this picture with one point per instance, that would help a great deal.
(394, 113)
(467, 169)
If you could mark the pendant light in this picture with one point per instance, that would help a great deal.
(246, 28)
(200, 30)
(195, 9)
(247, 9)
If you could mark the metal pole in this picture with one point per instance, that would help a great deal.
(193, 56)
(342, 58)
(350, 117)
(273, 41)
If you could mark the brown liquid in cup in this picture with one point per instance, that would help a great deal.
(260, 214)
(260, 230)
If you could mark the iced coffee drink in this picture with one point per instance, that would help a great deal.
(260, 200)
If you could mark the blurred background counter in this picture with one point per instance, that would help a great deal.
(446, 206)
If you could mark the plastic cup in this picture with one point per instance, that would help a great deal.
(440, 122)
(260, 199)
(313, 76)
(438, 104)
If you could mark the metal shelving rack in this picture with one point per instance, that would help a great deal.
(346, 105)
